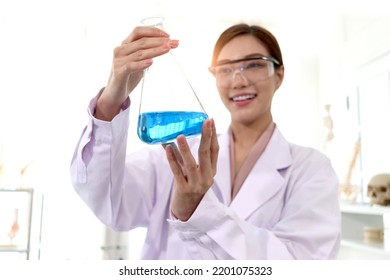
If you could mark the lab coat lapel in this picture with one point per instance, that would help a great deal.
(264, 181)
(222, 178)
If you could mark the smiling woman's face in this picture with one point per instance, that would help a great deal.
(248, 101)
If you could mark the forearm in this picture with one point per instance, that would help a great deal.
(105, 108)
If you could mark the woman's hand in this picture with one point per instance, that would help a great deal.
(192, 179)
(135, 54)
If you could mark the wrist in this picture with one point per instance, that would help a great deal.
(106, 108)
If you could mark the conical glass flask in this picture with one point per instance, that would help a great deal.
(169, 106)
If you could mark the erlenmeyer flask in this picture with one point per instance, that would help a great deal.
(169, 106)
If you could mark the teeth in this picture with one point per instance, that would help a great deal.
(243, 97)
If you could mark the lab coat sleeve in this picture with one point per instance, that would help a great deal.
(309, 227)
(118, 188)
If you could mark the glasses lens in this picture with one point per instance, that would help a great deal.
(250, 70)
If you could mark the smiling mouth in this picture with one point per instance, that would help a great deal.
(243, 97)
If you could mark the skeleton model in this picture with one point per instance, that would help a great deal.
(348, 190)
(328, 127)
(378, 189)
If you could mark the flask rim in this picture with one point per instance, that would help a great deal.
(155, 21)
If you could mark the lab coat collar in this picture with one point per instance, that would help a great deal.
(263, 181)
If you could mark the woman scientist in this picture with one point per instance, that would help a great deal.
(244, 194)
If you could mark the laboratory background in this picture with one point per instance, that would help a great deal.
(56, 55)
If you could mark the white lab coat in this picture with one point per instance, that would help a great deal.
(286, 209)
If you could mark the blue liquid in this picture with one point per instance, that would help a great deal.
(164, 127)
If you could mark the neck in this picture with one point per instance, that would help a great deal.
(248, 134)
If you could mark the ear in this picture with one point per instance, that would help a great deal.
(279, 75)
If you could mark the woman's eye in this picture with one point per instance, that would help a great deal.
(260, 64)
(224, 70)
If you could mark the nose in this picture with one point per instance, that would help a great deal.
(239, 79)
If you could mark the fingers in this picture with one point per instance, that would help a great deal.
(183, 163)
(145, 48)
(214, 149)
(146, 42)
(137, 51)
(145, 31)
(135, 54)
(174, 163)
(176, 152)
(204, 152)
(189, 164)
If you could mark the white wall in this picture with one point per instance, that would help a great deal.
(356, 69)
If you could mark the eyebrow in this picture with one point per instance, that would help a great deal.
(249, 56)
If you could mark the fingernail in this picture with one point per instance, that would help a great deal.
(173, 43)
(164, 34)
(180, 139)
(148, 62)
